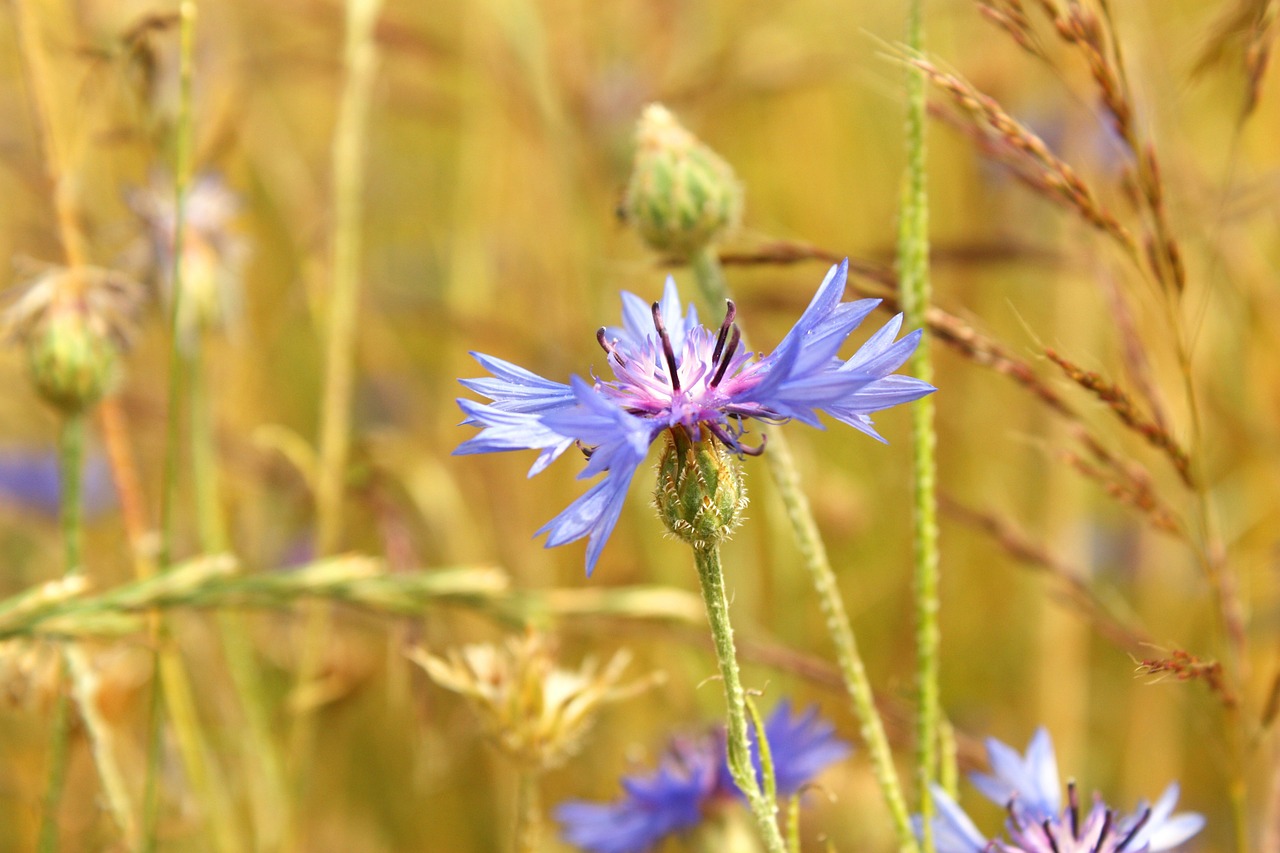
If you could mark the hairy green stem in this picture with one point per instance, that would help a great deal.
(804, 527)
(47, 841)
(70, 457)
(763, 807)
(360, 56)
(913, 277)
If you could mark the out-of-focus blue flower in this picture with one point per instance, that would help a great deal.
(668, 801)
(692, 779)
(30, 480)
(1027, 786)
(801, 745)
(670, 372)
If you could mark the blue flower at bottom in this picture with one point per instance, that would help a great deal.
(1028, 788)
(692, 779)
(30, 479)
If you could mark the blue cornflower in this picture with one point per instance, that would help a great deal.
(30, 479)
(693, 779)
(1029, 789)
(672, 373)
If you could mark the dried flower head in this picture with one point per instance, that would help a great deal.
(682, 196)
(534, 711)
(74, 323)
(213, 254)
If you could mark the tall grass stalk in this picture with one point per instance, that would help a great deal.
(179, 699)
(786, 476)
(270, 801)
(529, 823)
(913, 278)
(360, 61)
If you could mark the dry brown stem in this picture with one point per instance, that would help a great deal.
(1120, 403)
(1013, 143)
(1128, 489)
(880, 282)
(1078, 592)
(1185, 666)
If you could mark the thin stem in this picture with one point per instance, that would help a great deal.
(70, 465)
(179, 699)
(913, 276)
(763, 807)
(786, 476)
(70, 456)
(360, 55)
(529, 813)
(42, 101)
(47, 841)
(271, 804)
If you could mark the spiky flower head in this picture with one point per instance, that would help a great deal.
(74, 323)
(700, 387)
(682, 195)
(533, 710)
(700, 494)
(1029, 790)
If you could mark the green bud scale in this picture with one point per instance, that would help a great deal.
(682, 195)
(700, 494)
(72, 363)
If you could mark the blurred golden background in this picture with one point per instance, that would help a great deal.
(498, 145)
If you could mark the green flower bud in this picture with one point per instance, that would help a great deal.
(73, 325)
(72, 363)
(682, 196)
(700, 494)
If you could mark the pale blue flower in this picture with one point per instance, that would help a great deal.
(670, 372)
(1028, 788)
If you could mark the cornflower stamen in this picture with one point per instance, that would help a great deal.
(1073, 809)
(1142, 821)
(667, 349)
(1106, 831)
(1047, 827)
(730, 313)
(728, 357)
(736, 444)
(610, 347)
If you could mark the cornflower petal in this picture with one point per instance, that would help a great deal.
(506, 430)
(953, 831)
(1162, 829)
(654, 806)
(1031, 784)
(515, 389)
(801, 746)
(691, 779)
